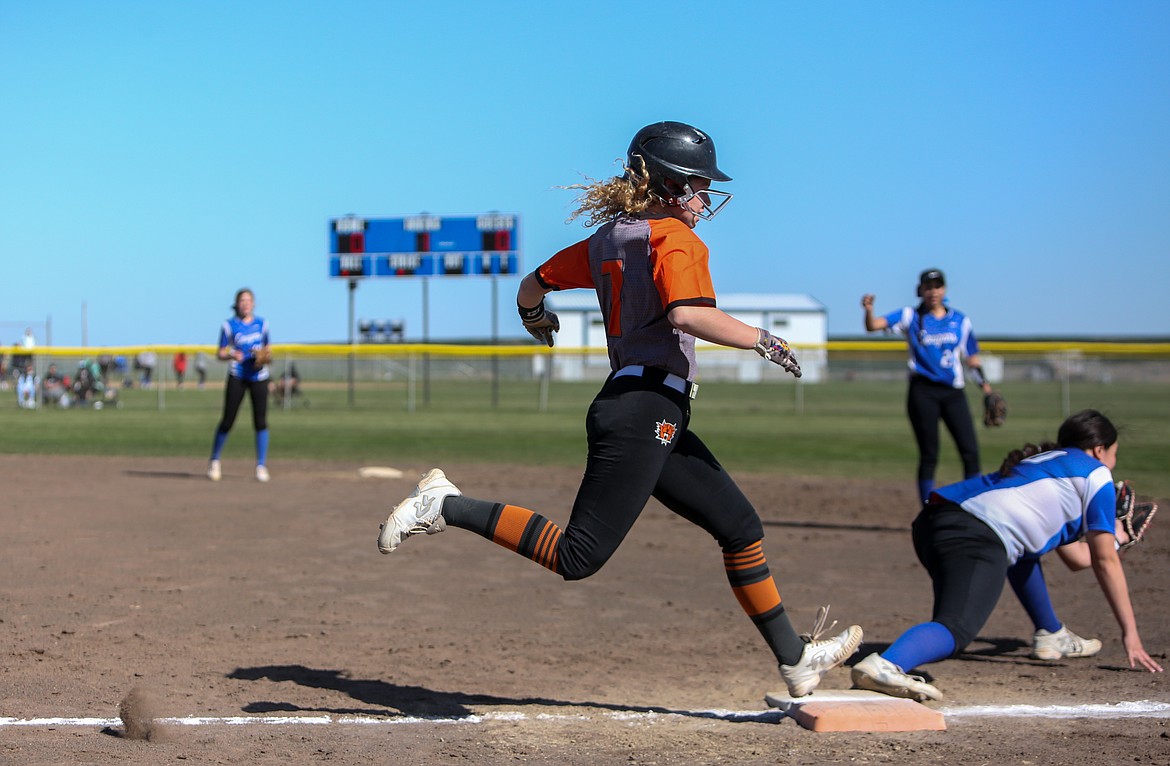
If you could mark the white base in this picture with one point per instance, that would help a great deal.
(379, 472)
(783, 701)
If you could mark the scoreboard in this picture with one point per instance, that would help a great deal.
(424, 246)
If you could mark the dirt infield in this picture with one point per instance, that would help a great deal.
(239, 599)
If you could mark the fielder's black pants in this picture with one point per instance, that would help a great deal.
(926, 403)
(234, 397)
(967, 564)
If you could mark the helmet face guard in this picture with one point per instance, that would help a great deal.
(713, 200)
(671, 154)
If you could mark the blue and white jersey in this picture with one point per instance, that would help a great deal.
(247, 337)
(1049, 500)
(937, 345)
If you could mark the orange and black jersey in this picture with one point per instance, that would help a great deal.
(641, 268)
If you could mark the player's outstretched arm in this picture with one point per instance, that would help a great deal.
(872, 322)
(1111, 578)
(713, 325)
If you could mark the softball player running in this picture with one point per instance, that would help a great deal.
(1042, 499)
(939, 338)
(241, 339)
(650, 272)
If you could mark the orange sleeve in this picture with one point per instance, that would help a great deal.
(679, 260)
(567, 269)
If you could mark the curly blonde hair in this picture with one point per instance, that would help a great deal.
(602, 201)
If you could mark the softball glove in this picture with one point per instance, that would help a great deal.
(994, 410)
(1135, 516)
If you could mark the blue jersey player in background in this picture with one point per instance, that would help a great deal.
(1055, 497)
(240, 339)
(940, 339)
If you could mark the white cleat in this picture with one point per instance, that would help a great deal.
(213, 471)
(878, 674)
(421, 512)
(1061, 644)
(820, 656)
(262, 473)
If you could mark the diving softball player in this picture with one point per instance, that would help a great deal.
(939, 339)
(1041, 499)
(241, 338)
(650, 272)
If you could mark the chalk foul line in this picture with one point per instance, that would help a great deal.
(1136, 709)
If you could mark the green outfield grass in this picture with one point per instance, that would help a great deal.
(832, 429)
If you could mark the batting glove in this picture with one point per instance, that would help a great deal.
(539, 323)
(777, 351)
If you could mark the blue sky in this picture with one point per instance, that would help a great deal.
(156, 156)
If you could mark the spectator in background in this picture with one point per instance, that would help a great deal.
(26, 388)
(20, 359)
(201, 368)
(27, 344)
(88, 387)
(54, 388)
(288, 386)
(145, 363)
(180, 366)
(120, 372)
(105, 363)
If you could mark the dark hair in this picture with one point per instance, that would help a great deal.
(1084, 430)
(236, 302)
(1023, 453)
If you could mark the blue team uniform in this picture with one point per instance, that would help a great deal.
(937, 345)
(1049, 500)
(245, 377)
(972, 532)
(247, 337)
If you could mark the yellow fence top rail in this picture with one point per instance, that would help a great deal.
(1098, 348)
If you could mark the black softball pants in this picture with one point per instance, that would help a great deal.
(234, 397)
(926, 403)
(629, 462)
(967, 564)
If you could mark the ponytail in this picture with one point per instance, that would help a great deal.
(1084, 430)
(1023, 453)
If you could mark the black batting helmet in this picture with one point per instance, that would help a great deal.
(673, 151)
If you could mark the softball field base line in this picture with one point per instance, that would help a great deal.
(1134, 709)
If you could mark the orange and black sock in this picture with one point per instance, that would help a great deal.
(517, 529)
(754, 588)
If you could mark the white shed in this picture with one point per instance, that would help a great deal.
(800, 319)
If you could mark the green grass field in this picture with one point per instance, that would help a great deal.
(830, 429)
